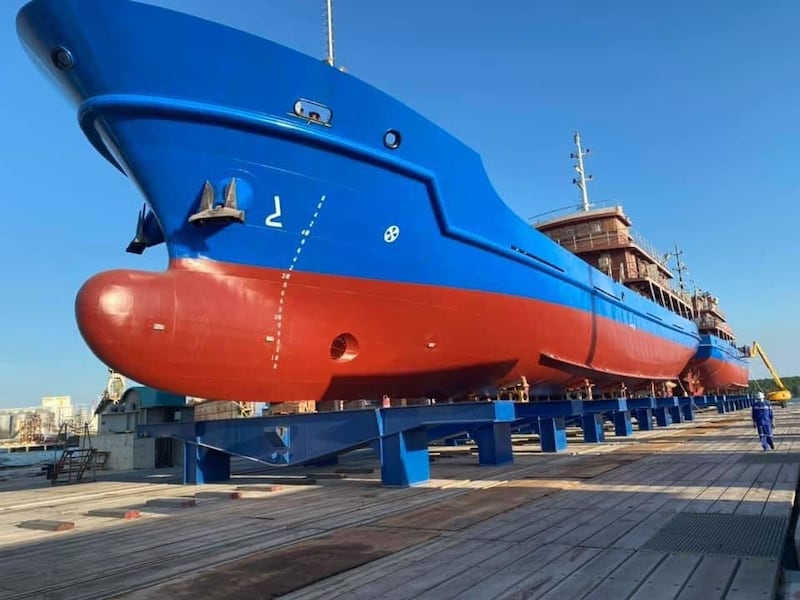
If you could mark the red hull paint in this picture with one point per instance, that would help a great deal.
(223, 331)
(719, 375)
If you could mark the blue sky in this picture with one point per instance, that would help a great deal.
(689, 108)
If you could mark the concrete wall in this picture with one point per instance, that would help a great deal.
(120, 449)
(127, 452)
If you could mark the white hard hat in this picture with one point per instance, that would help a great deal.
(759, 395)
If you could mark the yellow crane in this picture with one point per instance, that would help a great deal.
(782, 395)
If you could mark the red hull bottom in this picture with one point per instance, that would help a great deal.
(231, 332)
(718, 375)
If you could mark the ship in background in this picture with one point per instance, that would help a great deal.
(326, 242)
(720, 365)
(602, 236)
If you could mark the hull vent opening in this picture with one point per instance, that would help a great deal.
(344, 348)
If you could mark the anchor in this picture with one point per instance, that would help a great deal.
(148, 233)
(226, 212)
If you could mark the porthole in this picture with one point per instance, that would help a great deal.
(62, 58)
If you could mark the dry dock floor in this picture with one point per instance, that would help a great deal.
(695, 510)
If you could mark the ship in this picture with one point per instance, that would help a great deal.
(720, 365)
(325, 241)
(602, 235)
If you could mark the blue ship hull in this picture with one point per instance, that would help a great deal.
(720, 365)
(423, 263)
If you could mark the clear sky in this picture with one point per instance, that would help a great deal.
(689, 107)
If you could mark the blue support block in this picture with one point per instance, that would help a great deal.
(721, 407)
(399, 437)
(456, 440)
(688, 410)
(553, 434)
(376, 448)
(644, 418)
(405, 458)
(676, 414)
(494, 444)
(593, 428)
(204, 465)
(527, 428)
(622, 423)
(662, 416)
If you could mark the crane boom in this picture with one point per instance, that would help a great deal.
(783, 394)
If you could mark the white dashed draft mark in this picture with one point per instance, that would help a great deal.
(286, 276)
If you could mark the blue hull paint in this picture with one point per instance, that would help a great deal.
(174, 101)
(714, 347)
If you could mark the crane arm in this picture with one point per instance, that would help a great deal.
(757, 349)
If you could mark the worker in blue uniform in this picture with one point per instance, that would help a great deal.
(763, 421)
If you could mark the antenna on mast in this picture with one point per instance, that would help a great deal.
(329, 29)
(582, 179)
(680, 266)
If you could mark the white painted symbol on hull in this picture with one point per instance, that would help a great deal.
(272, 220)
(391, 234)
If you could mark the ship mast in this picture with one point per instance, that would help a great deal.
(582, 179)
(680, 266)
(329, 28)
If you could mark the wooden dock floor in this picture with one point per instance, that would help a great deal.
(695, 510)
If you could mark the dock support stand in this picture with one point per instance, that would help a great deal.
(644, 416)
(404, 458)
(205, 465)
(553, 434)
(662, 416)
(721, 407)
(676, 414)
(593, 428)
(325, 461)
(494, 444)
(622, 423)
(688, 411)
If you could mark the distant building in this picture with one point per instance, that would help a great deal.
(60, 407)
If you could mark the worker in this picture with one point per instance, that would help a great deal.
(763, 421)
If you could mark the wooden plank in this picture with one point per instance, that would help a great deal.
(468, 509)
(706, 499)
(628, 576)
(335, 585)
(601, 522)
(543, 578)
(589, 576)
(443, 572)
(711, 579)
(277, 572)
(463, 584)
(756, 498)
(524, 577)
(642, 532)
(609, 536)
(755, 578)
(667, 580)
(781, 499)
(396, 579)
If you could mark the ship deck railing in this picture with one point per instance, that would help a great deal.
(572, 209)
